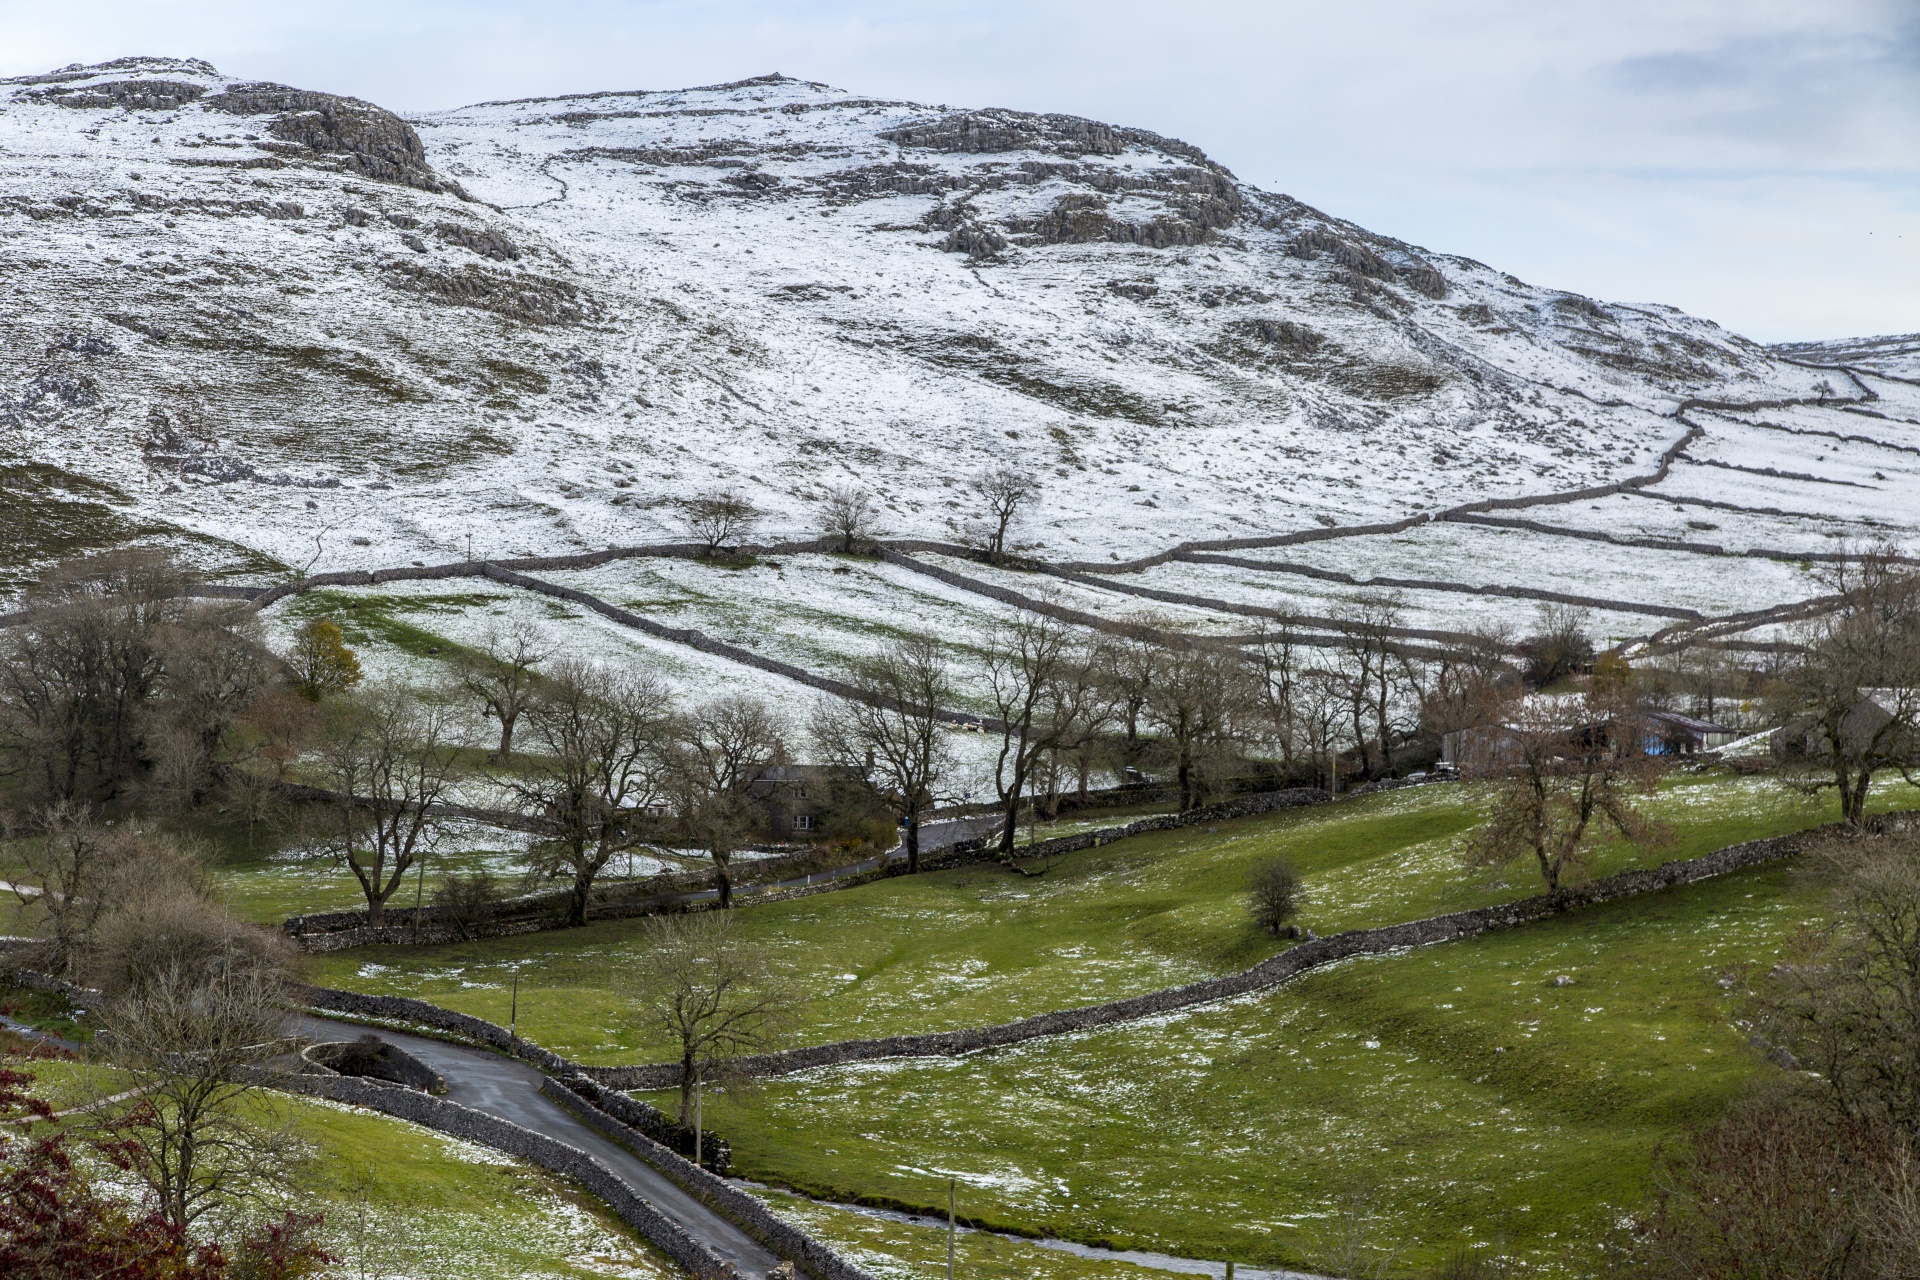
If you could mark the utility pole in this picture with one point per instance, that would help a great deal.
(513, 1016)
(950, 1228)
(697, 1082)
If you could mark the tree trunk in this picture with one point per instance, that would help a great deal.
(506, 739)
(1010, 816)
(577, 900)
(1010, 813)
(723, 883)
(1853, 798)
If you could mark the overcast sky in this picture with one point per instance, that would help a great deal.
(1754, 161)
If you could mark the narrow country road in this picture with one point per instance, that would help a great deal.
(510, 1090)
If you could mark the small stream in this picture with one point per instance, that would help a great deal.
(1139, 1257)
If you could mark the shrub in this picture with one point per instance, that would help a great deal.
(467, 902)
(1273, 894)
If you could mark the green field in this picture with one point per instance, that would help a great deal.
(980, 944)
(401, 1200)
(1454, 1088)
(1454, 1091)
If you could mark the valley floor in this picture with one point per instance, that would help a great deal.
(1451, 1094)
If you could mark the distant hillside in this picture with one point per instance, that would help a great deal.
(292, 328)
(1896, 355)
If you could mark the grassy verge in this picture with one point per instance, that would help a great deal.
(49, 1012)
(894, 1250)
(401, 1200)
(1454, 1090)
(978, 945)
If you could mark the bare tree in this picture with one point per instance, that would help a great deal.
(187, 1035)
(468, 902)
(1465, 685)
(891, 732)
(1129, 662)
(1320, 706)
(82, 676)
(388, 758)
(215, 669)
(1769, 1189)
(1005, 493)
(1817, 1171)
(1375, 673)
(1559, 769)
(1846, 1003)
(1350, 1239)
(1560, 648)
(274, 732)
(699, 980)
(1277, 691)
(72, 873)
(722, 750)
(1197, 707)
(1853, 686)
(850, 514)
(719, 517)
(502, 676)
(602, 772)
(1080, 715)
(1041, 686)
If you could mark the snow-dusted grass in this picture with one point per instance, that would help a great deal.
(1814, 441)
(1299, 595)
(891, 1248)
(1485, 555)
(1888, 504)
(824, 613)
(405, 1203)
(980, 945)
(1453, 1089)
(1094, 600)
(1647, 515)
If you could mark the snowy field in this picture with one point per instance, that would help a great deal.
(276, 360)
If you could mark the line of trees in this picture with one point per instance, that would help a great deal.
(120, 693)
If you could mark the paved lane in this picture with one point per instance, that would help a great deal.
(510, 1089)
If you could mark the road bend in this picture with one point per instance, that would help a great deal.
(510, 1090)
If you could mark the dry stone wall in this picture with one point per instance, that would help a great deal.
(341, 930)
(605, 1110)
(549, 1153)
(1267, 974)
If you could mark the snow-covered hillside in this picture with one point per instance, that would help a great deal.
(293, 331)
(1896, 355)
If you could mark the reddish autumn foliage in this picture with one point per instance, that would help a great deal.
(55, 1226)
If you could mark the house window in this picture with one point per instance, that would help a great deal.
(803, 822)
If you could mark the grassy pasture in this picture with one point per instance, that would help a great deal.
(402, 1200)
(1454, 1091)
(979, 944)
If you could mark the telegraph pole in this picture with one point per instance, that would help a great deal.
(950, 1228)
(697, 1082)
